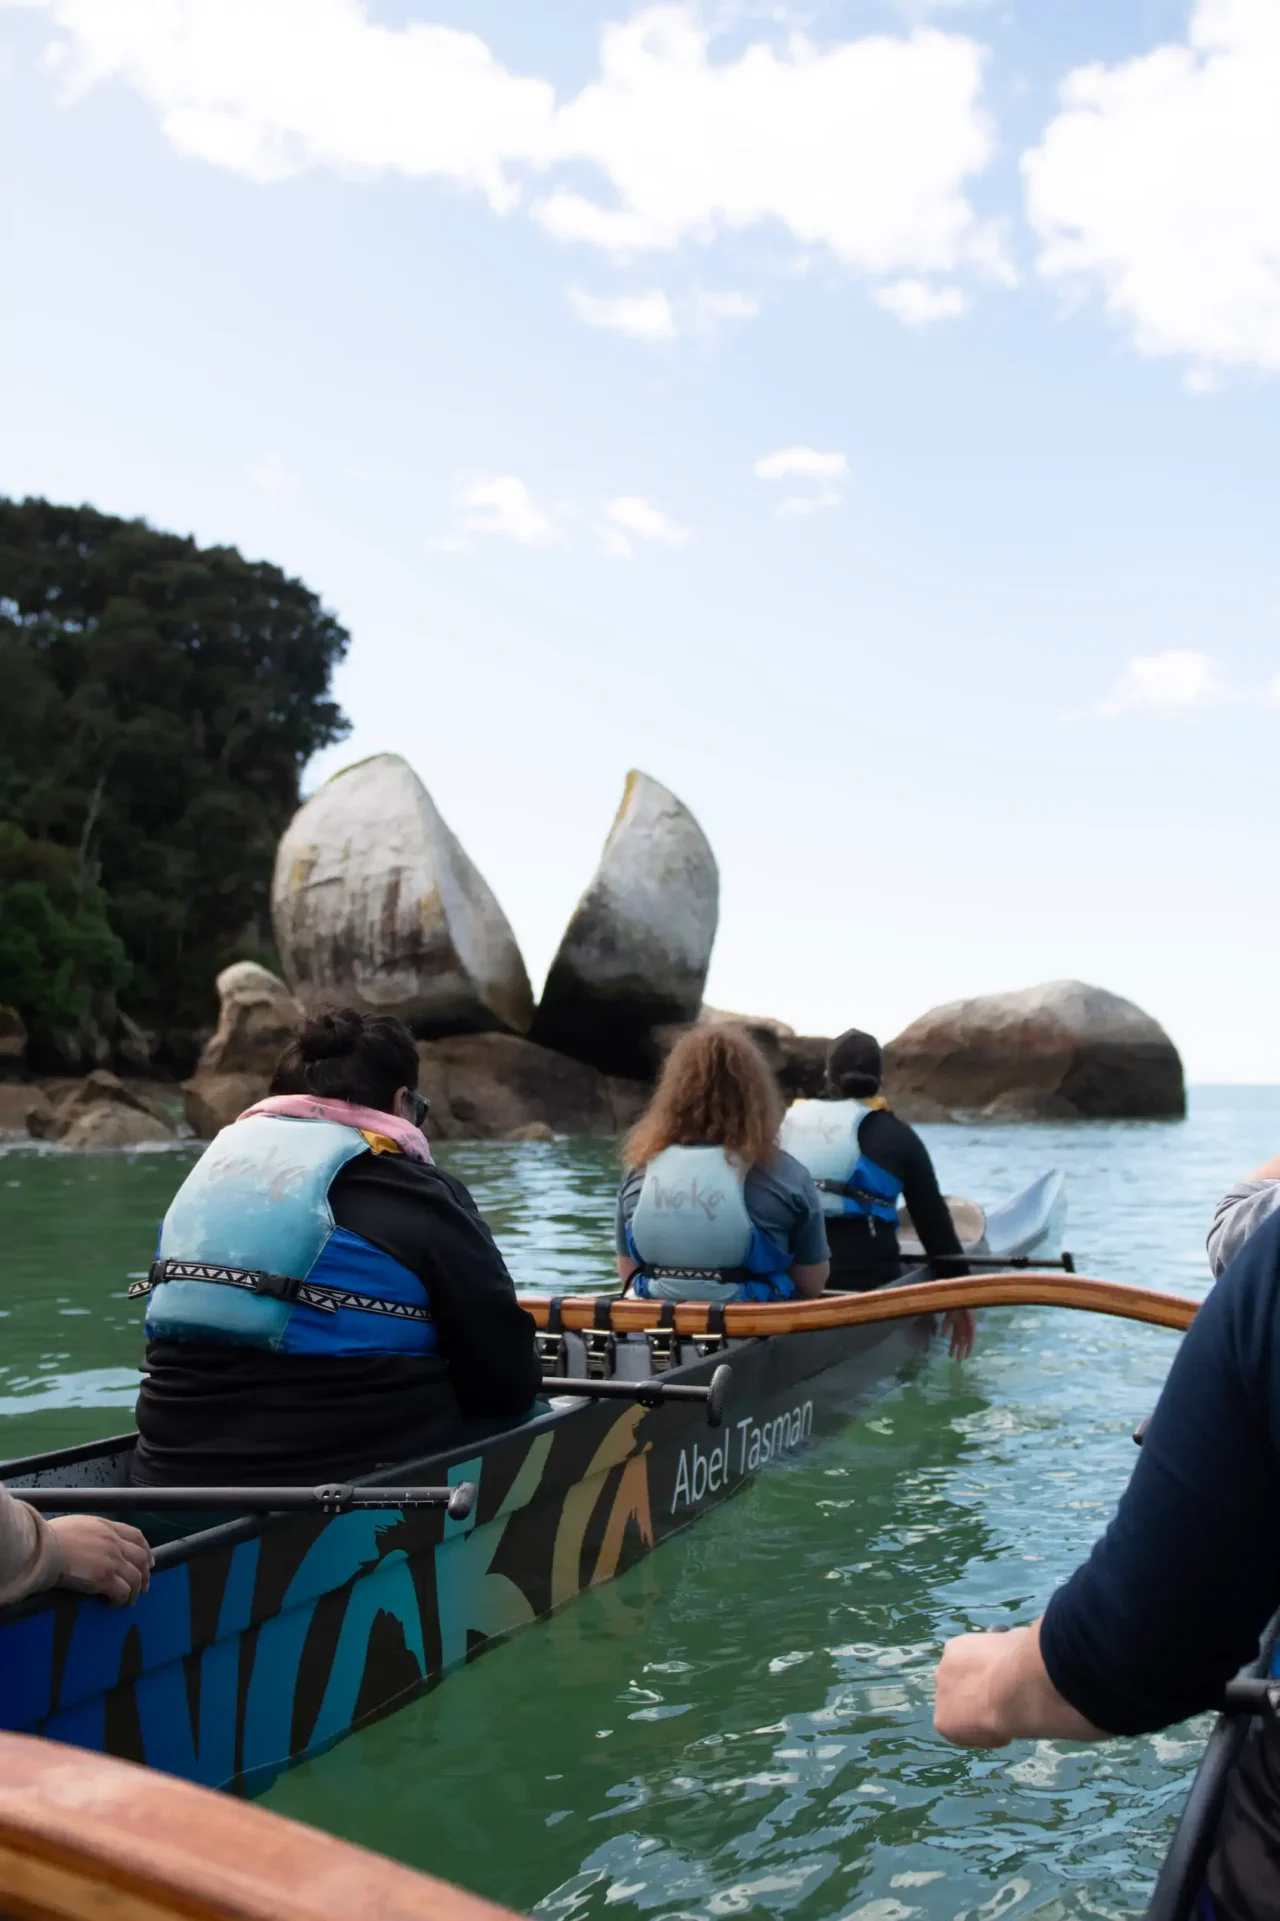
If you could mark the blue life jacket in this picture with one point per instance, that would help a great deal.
(823, 1136)
(694, 1239)
(249, 1254)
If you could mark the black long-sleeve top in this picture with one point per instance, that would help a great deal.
(212, 1415)
(865, 1253)
(1174, 1597)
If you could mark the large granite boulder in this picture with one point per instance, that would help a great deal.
(257, 1016)
(377, 906)
(501, 1087)
(1063, 1051)
(101, 1111)
(635, 954)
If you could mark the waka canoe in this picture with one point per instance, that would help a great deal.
(265, 1639)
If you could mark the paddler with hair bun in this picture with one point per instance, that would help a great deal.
(864, 1160)
(326, 1301)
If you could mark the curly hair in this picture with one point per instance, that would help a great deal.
(716, 1090)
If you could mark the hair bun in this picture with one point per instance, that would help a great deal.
(327, 1037)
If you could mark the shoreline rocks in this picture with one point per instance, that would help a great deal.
(102, 1111)
(635, 954)
(377, 906)
(256, 1018)
(502, 1087)
(1060, 1051)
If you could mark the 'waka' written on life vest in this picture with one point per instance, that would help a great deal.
(749, 1446)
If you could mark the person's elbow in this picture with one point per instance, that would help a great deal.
(810, 1277)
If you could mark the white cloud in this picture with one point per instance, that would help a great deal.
(269, 474)
(632, 516)
(800, 506)
(651, 316)
(644, 316)
(1156, 183)
(800, 463)
(504, 506)
(864, 146)
(1179, 678)
(918, 302)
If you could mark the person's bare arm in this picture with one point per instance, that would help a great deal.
(1269, 1171)
(103, 1557)
(995, 1688)
(809, 1278)
(626, 1268)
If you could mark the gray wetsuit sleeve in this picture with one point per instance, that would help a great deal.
(1238, 1215)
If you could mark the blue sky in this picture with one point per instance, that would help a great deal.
(860, 416)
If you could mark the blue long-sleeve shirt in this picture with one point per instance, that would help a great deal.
(1175, 1596)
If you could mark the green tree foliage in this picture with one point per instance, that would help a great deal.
(160, 701)
(59, 960)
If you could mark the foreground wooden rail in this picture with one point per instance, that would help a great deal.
(1022, 1289)
(87, 1838)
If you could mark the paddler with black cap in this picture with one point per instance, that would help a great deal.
(864, 1160)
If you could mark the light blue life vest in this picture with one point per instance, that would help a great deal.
(250, 1256)
(823, 1136)
(694, 1238)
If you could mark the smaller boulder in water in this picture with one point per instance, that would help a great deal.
(1063, 1051)
(102, 1111)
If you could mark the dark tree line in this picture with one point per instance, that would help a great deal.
(158, 703)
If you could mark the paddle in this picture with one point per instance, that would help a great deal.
(1002, 1261)
(338, 1497)
(650, 1392)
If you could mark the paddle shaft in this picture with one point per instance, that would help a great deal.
(337, 1498)
(1004, 1262)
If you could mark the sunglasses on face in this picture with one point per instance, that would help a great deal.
(421, 1107)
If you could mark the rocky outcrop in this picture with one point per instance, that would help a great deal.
(377, 906)
(1064, 1051)
(500, 1087)
(798, 1060)
(257, 1016)
(635, 954)
(25, 1110)
(101, 1111)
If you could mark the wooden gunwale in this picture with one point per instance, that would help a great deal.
(1020, 1289)
(86, 1837)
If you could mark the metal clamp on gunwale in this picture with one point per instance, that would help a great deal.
(553, 1348)
(663, 1341)
(599, 1341)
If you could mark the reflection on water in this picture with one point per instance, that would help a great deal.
(742, 1723)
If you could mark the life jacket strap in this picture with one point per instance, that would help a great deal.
(862, 1195)
(280, 1287)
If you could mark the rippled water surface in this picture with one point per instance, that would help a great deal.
(742, 1723)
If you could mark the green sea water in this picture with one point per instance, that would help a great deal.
(741, 1725)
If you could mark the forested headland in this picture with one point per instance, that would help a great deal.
(158, 704)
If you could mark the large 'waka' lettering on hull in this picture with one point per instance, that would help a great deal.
(748, 1447)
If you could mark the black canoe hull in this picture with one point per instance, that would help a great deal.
(265, 1640)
